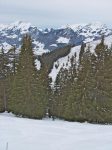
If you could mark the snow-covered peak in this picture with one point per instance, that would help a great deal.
(94, 27)
(49, 39)
(74, 27)
(2, 26)
(18, 25)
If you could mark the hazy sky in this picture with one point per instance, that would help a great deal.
(54, 13)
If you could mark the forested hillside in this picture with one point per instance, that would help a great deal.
(83, 92)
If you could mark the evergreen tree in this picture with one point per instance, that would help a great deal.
(4, 69)
(13, 59)
(26, 92)
(64, 91)
(104, 82)
(82, 50)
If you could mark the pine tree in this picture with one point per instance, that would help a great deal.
(64, 91)
(70, 90)
(26, 89)
(13, 56)
(4, 70)
(104, 84)
(82, 50)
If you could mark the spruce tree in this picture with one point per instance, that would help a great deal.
(26, 92)
(4, 70)
(82, 50)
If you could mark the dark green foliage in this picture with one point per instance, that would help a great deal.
(82, 50)
(14, 57)
(48, 59)
(26, 94)
(4, 71)
(84, 93)
(2, 97)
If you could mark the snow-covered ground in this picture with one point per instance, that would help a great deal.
(64, 60)
(63, 40)
(29, 134)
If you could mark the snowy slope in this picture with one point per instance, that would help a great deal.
(28, 134)
(64, 60)
(76, 49)
(62, 40)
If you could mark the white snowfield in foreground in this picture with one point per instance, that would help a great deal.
(29, 134)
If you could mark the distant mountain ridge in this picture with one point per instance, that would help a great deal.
(45, 40)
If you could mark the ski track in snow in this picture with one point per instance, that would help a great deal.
(29, 134)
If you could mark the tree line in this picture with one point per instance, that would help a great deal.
(81, 93)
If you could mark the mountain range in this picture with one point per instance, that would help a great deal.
(45, 40)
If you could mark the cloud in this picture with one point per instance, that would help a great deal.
(55, 13)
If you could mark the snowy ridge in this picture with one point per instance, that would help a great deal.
(49, 39)
(16, 25)
(89, 29)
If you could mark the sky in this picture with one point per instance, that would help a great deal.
(55, 13)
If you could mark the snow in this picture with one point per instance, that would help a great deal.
(29, 134)
(39, 50)
(93, 26)
(2, 27)
(12, 36)
(46, 30)
(74, 27)
(5, 46)
(55, 45)
(108, 40)
(18, 25)
(94, 29)
(38, 64)
(20, 39)
(63, 40)
(88, 40)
